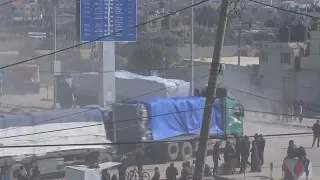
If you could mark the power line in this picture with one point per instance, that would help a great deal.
(8, 2)
(112, 34)
(283, 9)
(148, 142)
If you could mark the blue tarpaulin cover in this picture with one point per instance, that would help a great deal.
(178, 116)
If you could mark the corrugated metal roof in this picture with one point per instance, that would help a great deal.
(244, 61)
(45, 128)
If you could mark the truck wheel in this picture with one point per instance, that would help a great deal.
(186, 151)
(172, 151)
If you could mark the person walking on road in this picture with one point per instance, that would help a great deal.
(292, 150)
(22, 174)
(216, 157)
(238, 151)
(139, 153)
(156, 175)
(171, 172)
(229, 156)
(193, 165)
(302, 107)
(316, 133)
(245, 153)
(261, 146)
(185, 172)
(255, 160)
(122, 168)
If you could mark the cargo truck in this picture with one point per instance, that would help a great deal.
(175, 120)
(60, 127)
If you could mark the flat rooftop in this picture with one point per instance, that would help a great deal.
(244, 61)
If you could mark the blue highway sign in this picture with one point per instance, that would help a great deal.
(99, 18)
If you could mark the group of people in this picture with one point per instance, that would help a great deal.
(21, 174)
(186, 172)
(300, 153)
(289, 110)
(238, 157)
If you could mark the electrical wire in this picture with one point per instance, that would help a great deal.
(147, 142)
(100, 38)
(8, 2)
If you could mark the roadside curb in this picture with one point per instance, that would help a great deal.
(285, 124)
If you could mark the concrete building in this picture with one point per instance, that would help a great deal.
(309, 76)
(254, 12)
(280, 75)
(28, 11)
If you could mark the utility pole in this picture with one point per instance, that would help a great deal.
(239, 44)
(191, 52)
(55, 54)
(211, 92)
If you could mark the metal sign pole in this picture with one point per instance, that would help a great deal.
(271, 170)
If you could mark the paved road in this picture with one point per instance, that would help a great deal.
(276, 147)
(275, 151)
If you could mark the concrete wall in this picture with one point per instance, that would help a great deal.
(205, 52)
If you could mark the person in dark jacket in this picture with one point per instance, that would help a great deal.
(245, 153)
(171, 172)
(139, 153)
(22, 174)
(301, 109)
(255, 160)
(185, 172)
(156, 175)
(35, 172)
(292, 150)
(302, 155)
(316, 133)
(261, 146)
(238, 151)
(122, 168)
(207, 171)
(216, 157)
(229, 154)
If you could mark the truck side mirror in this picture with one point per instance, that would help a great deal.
(241, 110)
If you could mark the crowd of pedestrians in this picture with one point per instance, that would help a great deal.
(238, 157)
(288, 111)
